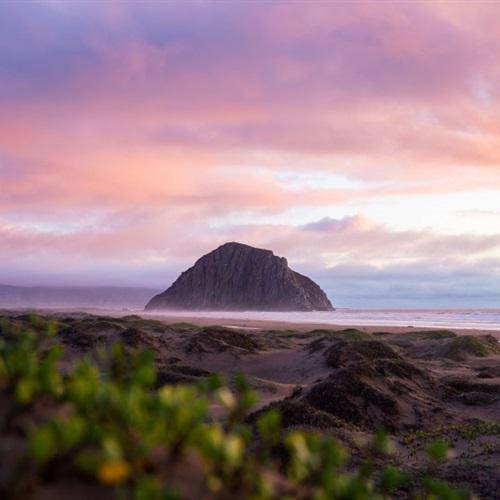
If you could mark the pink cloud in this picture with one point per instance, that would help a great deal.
(160, 235)
(157, 121)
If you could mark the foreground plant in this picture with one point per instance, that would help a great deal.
(107, 422)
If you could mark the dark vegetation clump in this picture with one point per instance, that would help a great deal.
(326, 337)
(183, 327)
(467, 345)
(401, 368)
(220, 339)
(346, 352)
(180, 374)
(82, 340)
(90, 333)
(352, 334)
(373, 385)
(431, 334)
(97, 326)
(134, 337)
(350, 397)
(131, 317)
(135, 321)
(346, 334)
(300, 414)
(372, 358)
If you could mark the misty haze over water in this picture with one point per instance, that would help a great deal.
(111, 297)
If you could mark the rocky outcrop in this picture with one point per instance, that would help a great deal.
(241, 277)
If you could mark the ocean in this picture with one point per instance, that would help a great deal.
(480, 319)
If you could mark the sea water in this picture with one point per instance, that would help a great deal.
(482, 319)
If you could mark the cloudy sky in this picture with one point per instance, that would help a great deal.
(361, 140)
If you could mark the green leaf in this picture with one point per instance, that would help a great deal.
(391, 479)
(269, 425)
(42, 444)
(438, 450)
(25, 389)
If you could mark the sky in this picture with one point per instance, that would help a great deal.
(360, 140)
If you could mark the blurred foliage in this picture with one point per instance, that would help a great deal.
(108, 423)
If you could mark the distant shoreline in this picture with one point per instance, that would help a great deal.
(289, 325)
(232, 320)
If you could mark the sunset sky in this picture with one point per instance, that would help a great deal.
(361, 140)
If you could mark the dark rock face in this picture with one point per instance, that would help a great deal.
(239, 277)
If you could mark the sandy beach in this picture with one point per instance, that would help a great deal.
(265, 324)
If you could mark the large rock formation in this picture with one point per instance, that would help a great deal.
(241, 277)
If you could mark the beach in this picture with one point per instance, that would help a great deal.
(390, 321)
